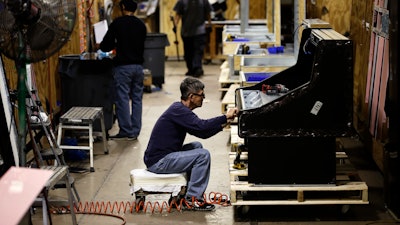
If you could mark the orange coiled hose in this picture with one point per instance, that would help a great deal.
(62, 210)
(147, 206)
(115, 209)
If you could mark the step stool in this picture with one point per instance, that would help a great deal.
(143, 182)
(82, 118)
(39, 126)
(59, 173)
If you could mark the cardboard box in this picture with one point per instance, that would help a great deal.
(147, 81)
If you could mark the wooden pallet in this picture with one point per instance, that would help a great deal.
(226, 79)
(235, 139)
(347, 190)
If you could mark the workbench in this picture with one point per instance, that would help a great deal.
(214, 49)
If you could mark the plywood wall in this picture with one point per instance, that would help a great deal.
(336, 12)
(354, 19)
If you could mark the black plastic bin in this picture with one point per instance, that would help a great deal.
(154, 56)
(87, 82)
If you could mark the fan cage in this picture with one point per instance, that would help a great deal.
(41, 38)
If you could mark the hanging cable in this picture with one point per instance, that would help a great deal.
(297, 28)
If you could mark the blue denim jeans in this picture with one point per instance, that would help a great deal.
(128, 85)
(194, 160)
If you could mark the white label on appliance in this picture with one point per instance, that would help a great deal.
(317, 106)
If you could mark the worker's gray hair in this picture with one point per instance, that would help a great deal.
(190, 85)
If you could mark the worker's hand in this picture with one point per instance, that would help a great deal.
(231, 114)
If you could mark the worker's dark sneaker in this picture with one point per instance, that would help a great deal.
(197, 205)
(119, 137)
(198, 72)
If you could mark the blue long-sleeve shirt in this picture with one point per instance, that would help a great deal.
(171, 128)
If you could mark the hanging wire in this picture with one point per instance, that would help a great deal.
(297, 28)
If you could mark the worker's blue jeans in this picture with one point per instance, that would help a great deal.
(128, 85)
(194, 160)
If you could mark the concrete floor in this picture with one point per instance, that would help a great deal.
(110, 181)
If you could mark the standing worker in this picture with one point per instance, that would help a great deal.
(166, 152)
(127, 35)
(194, 14)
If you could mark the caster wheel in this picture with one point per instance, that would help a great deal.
(140, 200)
(173, 202)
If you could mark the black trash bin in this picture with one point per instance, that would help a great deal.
(154, 56)
(87, 82)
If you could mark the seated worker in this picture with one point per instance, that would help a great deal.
(166, 152)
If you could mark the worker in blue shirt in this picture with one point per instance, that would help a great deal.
(166, 152)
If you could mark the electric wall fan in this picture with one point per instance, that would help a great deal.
(31, 31)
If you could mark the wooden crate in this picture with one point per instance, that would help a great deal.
(147, 80)
(347, 190)
(228, 100)
(225, 80)
(235, 139)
